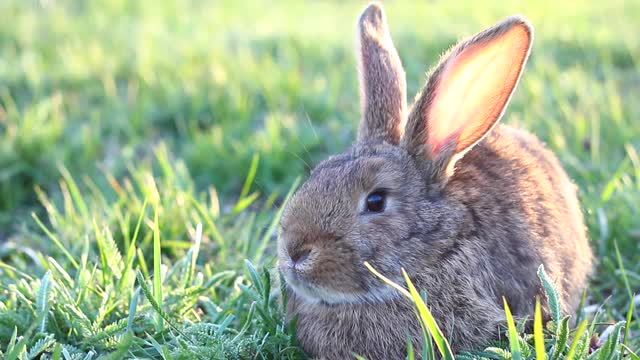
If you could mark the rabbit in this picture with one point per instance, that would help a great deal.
(468, 207)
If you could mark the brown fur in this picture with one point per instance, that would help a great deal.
(382, 78)
(468, 229)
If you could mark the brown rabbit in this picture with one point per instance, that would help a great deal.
(469, 208)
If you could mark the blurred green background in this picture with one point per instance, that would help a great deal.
(184, 96)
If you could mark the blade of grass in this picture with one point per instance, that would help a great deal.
(628, 318)
(425, 315)
(622, 270)
(56, 241)
(102, 252)
(538, 335)
(576, 339)
(514, 343)
(57, 352)
(133, 306)
(631, 354)
(131, 251)
(147, 293)
(142, 263)
(274, 223)
(157, 272)
(410, 354)
(253, 168)
(244, 203)
(10, 268)
(217, 236)
(387, 280)
(429, 320)
(75, 192)
(193, 254)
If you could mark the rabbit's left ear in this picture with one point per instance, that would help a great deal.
(382, 80)
(467, 93)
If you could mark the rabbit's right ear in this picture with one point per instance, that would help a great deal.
(466, 95)
(382, 80)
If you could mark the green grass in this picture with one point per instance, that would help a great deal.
(124, 125)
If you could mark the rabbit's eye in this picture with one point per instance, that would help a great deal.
(376, 201)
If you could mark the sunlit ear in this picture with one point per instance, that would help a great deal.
(382, 80)
(468, 91)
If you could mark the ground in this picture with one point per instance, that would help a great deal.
(124, 124)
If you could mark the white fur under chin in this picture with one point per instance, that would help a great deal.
(316, 294)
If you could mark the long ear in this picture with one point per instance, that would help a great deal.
(467, 94)
(382, 80)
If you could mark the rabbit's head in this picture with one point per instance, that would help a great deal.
(383, 200)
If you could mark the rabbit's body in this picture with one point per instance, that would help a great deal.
(523, 220)
(468, 208)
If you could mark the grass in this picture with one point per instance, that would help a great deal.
(125, 125)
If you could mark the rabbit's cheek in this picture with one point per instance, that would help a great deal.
(378, 235)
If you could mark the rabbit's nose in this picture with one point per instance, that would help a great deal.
(298, 256)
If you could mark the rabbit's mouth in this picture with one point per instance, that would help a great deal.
(313, 276)
(318, 294)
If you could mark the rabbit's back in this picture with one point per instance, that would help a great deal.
(525, 210)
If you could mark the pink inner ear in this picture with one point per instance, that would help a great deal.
(474, 87)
